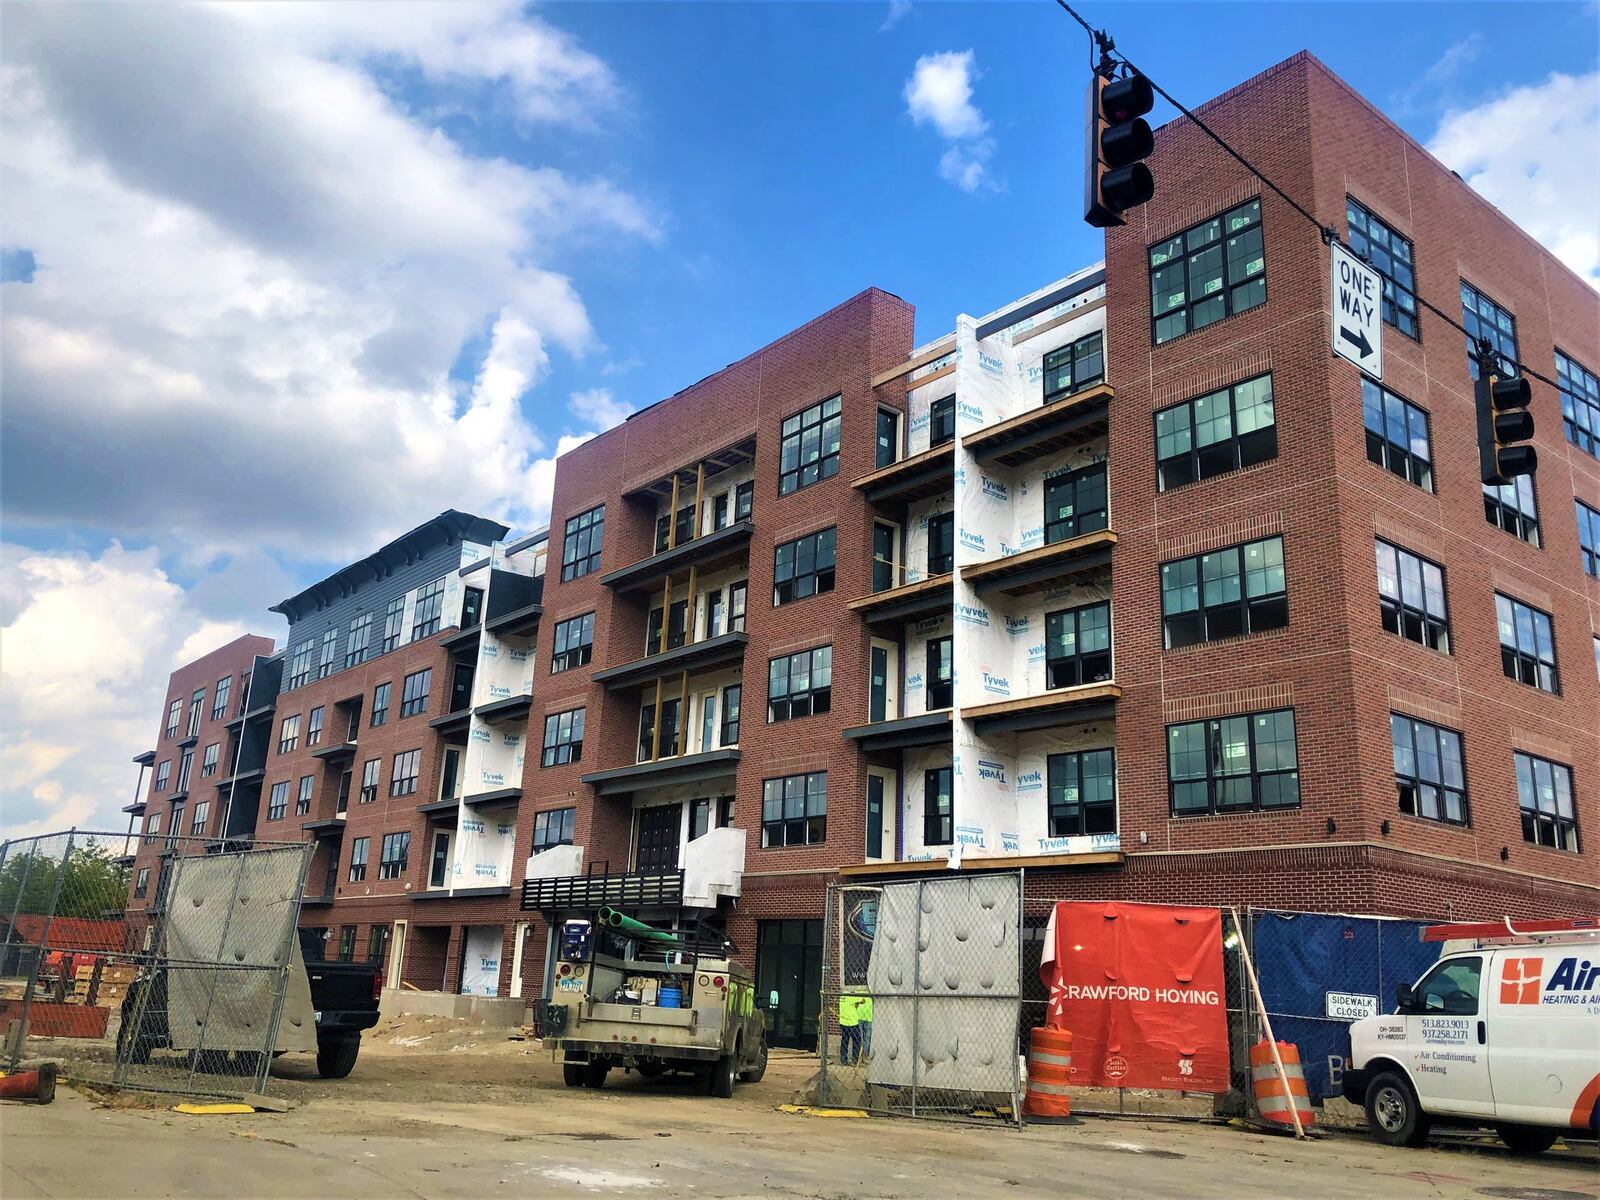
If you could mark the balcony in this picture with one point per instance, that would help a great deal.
(135, 809)
(512, 708)
(463, 641)
(325, 827)
(929, 597)
(452, 722)
(1072, 705)
(1032, 570)
(552, 884)
(519, 622)
(318, 901)
(188, 741)
(335, 752)
(903, 733)
(709, 551)
(915, 478)
(146, 758)
(722, 650)
(261, 712)
(663, 772)
(254, 775)
(1045, 430)
(439, 810)
(507, 795)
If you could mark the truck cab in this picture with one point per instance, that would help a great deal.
(1503, 1031)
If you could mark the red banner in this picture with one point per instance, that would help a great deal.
(1141, 988)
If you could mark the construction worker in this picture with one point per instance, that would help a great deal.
(849, 1027)
(864, 1025)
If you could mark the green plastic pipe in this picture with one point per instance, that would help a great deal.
(617, 920)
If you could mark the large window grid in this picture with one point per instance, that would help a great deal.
(394, 855)
(1544, 798)
(202, 814)
(1204, 274)
(429, 611)
(380, 704)
(1221, 431)
(1073, 367)
(1527, 644)
(1226, 593)
(302, 801)
(358, 859)
(1580, 403)
(394, 619)
(732, 695)
(580, 547)
(1083, 793)
(208, 762)
(1397, 434)
(300, 665)
(1390, 256)
(563, 738)
(1514, 507)
(941, 674)
(414, 692)
(219, 704)
(809, 450)
(1075, 503)
(800, 685)
(1484, 319)
(804, 567)
(329, 655)
(941, 543)
(185, 765)
(938, 815)
(314, 727)
(942, 421)
(1430, 774)
(370, 771)
(652, 746)
(355, 646)
(278, 801)
(289, 734)
(197, 703)
(572, 643)
(1411, 597)
(794, 810)
(174, 717)
(1077, 645)
(553, 827)
(1231, 764)
(1589, 537)
(403, 775)
(163, 773)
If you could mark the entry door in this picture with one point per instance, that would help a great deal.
(1447, 1036)
(789, 980)
(660, 829)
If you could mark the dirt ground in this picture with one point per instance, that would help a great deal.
(438, 1107)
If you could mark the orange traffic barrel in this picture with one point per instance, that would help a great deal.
(1049, 1073)
(1271, 1102)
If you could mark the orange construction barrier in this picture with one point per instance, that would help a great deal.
(1271, 1103)
(39, 1085)
(1049, 1072)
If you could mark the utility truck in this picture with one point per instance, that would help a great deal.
(1503, 1031)
(653, 1000)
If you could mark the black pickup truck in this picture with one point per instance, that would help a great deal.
(344, 999)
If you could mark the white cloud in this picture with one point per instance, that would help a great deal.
(899, 10)
(939, 93)
(1534, 153)
(597, 408)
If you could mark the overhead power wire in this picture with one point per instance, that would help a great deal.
(1330, 235)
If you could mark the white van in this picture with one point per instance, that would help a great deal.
(1503, 1031)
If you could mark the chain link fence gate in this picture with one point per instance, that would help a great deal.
(920, 998)
(176, 983)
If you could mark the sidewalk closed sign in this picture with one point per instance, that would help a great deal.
(1351, 1006)
(1357, 311)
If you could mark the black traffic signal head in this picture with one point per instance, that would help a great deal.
(1116, 139)
(1505, 426)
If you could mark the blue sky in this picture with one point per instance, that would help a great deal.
(297, 277)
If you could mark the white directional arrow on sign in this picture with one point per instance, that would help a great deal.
(1357, 296)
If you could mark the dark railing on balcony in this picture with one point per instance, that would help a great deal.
(637, 889)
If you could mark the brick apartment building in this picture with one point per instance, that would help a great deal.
(1130, 583)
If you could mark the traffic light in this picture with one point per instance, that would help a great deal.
(1505, 426)
(1116, 139)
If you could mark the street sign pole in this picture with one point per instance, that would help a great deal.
(1356, 300)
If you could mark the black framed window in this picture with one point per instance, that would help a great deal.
(809, 450)
(1228, 592)
(1212, 271)
(1484, 319)
(369, 780)
(202, 814)
(800, 685)
(394, 618)
(196, 704)
(314, 727)
(738, 598)
(572, 643)
(938, 816)
(289, 734)
(163, 773)
(883, 558)
(327, 660)
(1580, 403)
(380, 705)
(219, 704)
(731, 697)
(403, 775)
(1589, 537)
(1083, 793)
(185, 764)
(580, 547)
(649, 749)
(1073, 367)
(676, 633)
(378, 944)
(941, 673)
(208, 761)
(1544, 798)
(794, 810)
(887, 446)
(1430, 774)
(942, 421)
(300, 665)
(393, 858)
(563, 738)
(1074, 503)
(1411, 596)
(941, 543)
(675, 530)
(1390, 255)
(744, 499)
(1527, 644)
(414, 692)
(1221, 431)
(804, 567)
(141, 885)
(174, 717)
(1077, 645)
(1397, 434)
(429, 611)
(720, 507)
(278, 801)
(1232, 764)
(302, 801)
(1513, 507)
(358, 859)
(699, 817)
(553, 827)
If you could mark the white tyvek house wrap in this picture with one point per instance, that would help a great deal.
(1031, 752)
(237, 910)
(914, 690)
(480, 968)
(943, 976)
(918, 762)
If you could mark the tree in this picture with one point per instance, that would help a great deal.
(94, 884)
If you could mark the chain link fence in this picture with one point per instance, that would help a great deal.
(165, 970)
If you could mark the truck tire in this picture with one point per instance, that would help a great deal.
(1393, 1113)
(1526, 1139)
(722, 1077)
(595, 1072)
(336, 1054)
(650, 1069)
(754, 1072)
(572, 1074)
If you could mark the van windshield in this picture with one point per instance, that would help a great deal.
(1451, 987)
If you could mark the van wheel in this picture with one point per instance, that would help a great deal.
(722, 1077)
(1393, 1114)
(754, 1072)
(1526, 1139)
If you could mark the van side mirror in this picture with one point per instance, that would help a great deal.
(1405, 997)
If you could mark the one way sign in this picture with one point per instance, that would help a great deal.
(1357, 312)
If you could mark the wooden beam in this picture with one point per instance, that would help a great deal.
(945, 345)
(1072, 314)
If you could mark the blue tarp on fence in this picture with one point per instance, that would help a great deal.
(1319, 973)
